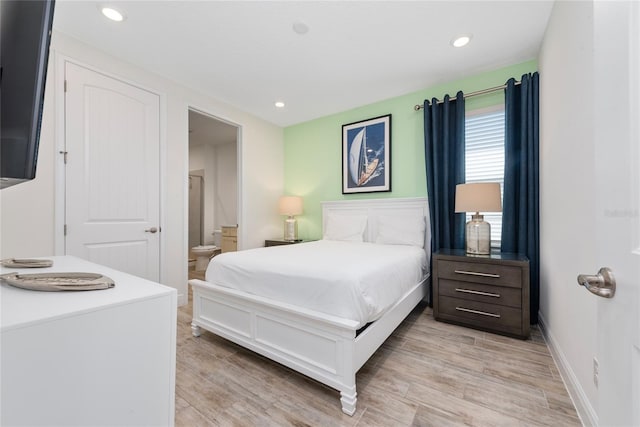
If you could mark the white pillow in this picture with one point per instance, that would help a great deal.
(401, 230)
(348, 228)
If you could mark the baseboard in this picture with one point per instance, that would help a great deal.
(585, 411)
(182, 300)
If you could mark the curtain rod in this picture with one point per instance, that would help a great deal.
(419, 107)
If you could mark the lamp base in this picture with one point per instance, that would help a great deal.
(290, 229)
(478, 236)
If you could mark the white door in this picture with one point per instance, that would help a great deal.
(112, 206)
(617, 203)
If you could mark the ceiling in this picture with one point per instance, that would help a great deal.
(355, 52)
(205, 130)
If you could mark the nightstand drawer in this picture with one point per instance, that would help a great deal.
(229, 231)
(491, 274)
(481, 315)
(491, 294)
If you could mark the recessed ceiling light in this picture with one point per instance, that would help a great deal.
(279, 104)
(300, 27)
(111, 13)
(460, 41)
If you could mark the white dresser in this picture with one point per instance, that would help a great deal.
(104, 357)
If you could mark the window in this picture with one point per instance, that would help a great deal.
(484, 132)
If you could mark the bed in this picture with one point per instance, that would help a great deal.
(311, 326)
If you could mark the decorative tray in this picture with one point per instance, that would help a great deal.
(26, 263)
(58, 281)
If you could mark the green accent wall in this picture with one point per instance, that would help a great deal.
(313, 150)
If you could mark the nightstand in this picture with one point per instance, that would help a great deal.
(229, 238)
(280, 242)
(489, 292)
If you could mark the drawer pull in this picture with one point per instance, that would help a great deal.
(484, 294)
(475, 273)
(484, 313)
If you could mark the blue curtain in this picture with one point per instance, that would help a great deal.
(444, 163)
(521, 201)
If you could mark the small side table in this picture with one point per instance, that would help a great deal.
(280, 242)
(490, 292)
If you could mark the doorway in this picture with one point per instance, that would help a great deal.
(213, 170)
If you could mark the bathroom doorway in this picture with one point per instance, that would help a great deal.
(213, 183)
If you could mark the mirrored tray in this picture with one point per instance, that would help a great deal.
(26, 263)
(58, 281)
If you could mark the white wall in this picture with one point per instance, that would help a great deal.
(27, 210)
(203, 157)
(196, 157)
(219, 163)
(567, 155)
(226, 195)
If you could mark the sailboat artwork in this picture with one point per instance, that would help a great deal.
(360, 168)
(365, 158)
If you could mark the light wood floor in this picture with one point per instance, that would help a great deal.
(427, 373)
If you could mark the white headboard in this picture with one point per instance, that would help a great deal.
(374, 208)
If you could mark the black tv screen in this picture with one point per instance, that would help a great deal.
(25, 35)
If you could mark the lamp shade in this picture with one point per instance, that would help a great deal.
(478, 197)
(290, 205)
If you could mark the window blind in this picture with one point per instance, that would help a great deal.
(484, 144)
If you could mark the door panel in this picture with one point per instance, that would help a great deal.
(616, 240)
(128, 256)
(112, 172)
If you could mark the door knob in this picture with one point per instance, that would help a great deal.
(151, 230)
(602, 284)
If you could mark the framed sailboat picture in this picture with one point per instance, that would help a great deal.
(366, 156)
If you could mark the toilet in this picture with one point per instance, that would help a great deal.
(203, 254)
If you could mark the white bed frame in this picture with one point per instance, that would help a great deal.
(320, 346)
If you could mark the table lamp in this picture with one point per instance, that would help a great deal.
(478, 197)
(290, 206)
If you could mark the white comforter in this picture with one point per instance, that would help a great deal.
(357, 281)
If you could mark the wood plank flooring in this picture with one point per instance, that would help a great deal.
(427, 373)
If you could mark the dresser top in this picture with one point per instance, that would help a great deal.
(22, 307)
(495, 255)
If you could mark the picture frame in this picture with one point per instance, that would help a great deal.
(366, 156)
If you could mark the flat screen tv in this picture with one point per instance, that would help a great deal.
(25, 35)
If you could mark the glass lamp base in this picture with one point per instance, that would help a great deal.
(290, 229)
(478, 236)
